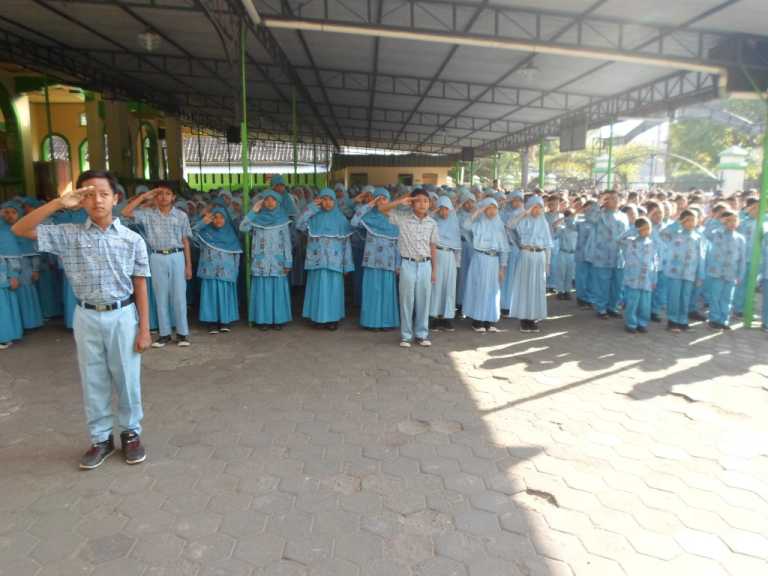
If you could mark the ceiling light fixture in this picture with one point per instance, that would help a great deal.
(149, 40)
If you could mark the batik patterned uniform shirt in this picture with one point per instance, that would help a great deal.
(99, 263)
(684, 254)
(609, 226)
(726, 255)
(271, 248)
(325, 252)
(641, 261)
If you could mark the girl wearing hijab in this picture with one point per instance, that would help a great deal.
(49, 285)
(482, 296)
(271, 262)
(29, 299)
(358, 242)
(512, 210)
(218, 268)
(463, 213)
(529, 286)
(442, 304)
(11, 327)
(380, 308)
(329, 257)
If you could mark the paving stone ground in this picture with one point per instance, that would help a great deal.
(582, 450)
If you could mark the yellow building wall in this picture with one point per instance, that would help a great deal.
(65, 121)
(389, 175)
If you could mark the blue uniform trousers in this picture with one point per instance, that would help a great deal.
(606, 288)
(415, 296)
(108, 360)
(678, 300)
(170, 287)
(565, 271)
(637, 307)
(583, 281)
(659, 301)
(720, 297)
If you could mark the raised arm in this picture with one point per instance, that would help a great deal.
(137, 200)
(26, 227)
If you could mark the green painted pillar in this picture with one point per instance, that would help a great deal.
(541, 164)
(49, 120)
(757, 237)
(609, 176)
(200, 155)
(245, 150)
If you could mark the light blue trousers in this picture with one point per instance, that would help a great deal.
(720, 297)
(584, 281)
(637, 307)
(170, 287)
(606, 288)
(108, 360)
(659, 301)
(415, 295)
(565, 271)
(678, 300)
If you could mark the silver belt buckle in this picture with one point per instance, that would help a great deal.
(101, 308)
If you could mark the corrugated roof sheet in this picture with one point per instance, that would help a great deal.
(213, 151)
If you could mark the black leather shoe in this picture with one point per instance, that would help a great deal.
(133, 451)
(97, 453)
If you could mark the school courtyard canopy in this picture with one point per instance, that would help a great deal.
(428, 76)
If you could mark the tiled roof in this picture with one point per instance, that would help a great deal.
(213, 151)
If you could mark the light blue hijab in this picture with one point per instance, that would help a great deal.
(377, 223)
(534, 231)
(489, 233)
(331, 223)
(448, 230)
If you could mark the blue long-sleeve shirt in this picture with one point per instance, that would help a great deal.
(641, 261)
(684, 254)
(609, 226)
(726, 255)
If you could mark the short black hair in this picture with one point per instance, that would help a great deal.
(685, 214)
(727, 213)
(642, 222)
(103, 174)
(419, 192)
(166, 184)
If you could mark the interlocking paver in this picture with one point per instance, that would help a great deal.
(573, 452)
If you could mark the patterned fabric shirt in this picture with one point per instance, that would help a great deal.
(604, 245)
(416, 234)
(726, 255)
(271, 248)
(9, 268)
(567, 236)
(641, 261)
(99, 263)
(584, 230)
(684, 254)
(164, 231)
(379, 252)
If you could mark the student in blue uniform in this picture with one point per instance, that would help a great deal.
(269, 305)
(513, 209)
(641, 264)
(29, 275)
(358, 240)
(11, 328)
(566, 237)
(443, 299)
(609, 225)
(583, 272)
(482, 296)
(534, 239)
(659, 298)
(726, 262)
(683, 268)
(329, 257)
(465, 209)
(747, 226)
(218, 267)
(168, 233)
(380, 262)
(552, 215)
(107, 265)
(418, 269)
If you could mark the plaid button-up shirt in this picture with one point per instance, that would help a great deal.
(99, 263)
(416, 234)
(164, 231)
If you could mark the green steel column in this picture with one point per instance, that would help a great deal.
(757, 237)
(245, 157)
(199, 155)
(294, 136)
(496, 166)
(49, 120)
(541, 164)
(471, 172)
(609, 177)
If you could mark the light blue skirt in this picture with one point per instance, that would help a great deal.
(380, 307)
(29, 304)
(68, 296)
(49, 290)
(466, 258)
(530, 287)
(482, 296)
(442, 304)
(507, 294)
(324, 296)
(218, 301)
(11, 327)
(270, 301)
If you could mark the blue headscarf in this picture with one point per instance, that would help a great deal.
(448, 230)
(26, 246)
(266, 218)
(377, 223)
(534, 230)
(489, 233)
(331, 223)
(225, 238)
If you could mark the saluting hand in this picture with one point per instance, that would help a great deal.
(74, 198)
(207, 218)
(257, 206)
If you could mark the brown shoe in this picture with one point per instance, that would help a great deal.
(133, 451)
(97, 453)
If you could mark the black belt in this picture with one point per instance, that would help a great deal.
(488, 252)
(532, 249)
(567, 251)
(446, 249)
(107, 307)
(417, 260)
(168, 251)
